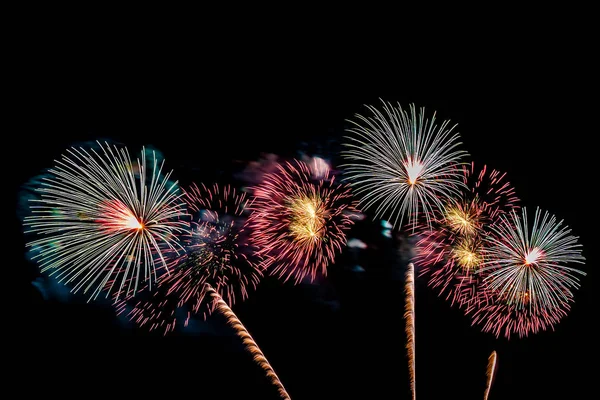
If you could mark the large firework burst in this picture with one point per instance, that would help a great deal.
(451, 249)
(299, 220)
(102, 217)
(527, 273)
(404, 165)
(217, 254)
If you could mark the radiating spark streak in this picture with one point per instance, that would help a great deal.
(409, 317)
(490, 373)
(104, 218)
(248, 341)
(402, 165)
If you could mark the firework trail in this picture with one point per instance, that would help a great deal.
(102, 218)
(450, 250)
(409, 317)
(526, 271)
(299, 221)
(248, 341)
(403, 164)
(217, 253)
(490, 373)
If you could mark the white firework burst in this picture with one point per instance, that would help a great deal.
(528, 265)
(403, 164)
(104, 221)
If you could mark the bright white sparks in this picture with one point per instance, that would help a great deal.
(105, 222)
(413, 170)
(528, 265)
(402, 164)
(532, 256)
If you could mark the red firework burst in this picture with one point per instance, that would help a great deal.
(299, 219)
(451, 251)
(217, 254)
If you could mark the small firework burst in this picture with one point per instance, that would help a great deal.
(217, 254)
(102, 217)
(451, 249)
(527, 272)
(299, 220)
(401, 164)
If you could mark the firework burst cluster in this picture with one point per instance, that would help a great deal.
(106, 223)
(476, 245)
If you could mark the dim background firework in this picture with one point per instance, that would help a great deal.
(451, 249)
(217, 253)
(518, 110)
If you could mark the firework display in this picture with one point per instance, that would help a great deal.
(450, 250)
(104, 218)
(102, 222)
(401, 164)
(299, 221)
(217, 254)
(528, 274)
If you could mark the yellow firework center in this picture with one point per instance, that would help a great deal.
(462, 221)
(308, 218)
(467, 254)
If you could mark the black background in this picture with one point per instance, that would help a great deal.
(210, 109)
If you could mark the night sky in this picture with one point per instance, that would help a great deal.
(342, 336)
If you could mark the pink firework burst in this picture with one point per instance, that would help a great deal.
(300, 218)
(451, 251)
(217, 254)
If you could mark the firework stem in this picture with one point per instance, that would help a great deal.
(491, 371)
(248, 341)
(409, 317)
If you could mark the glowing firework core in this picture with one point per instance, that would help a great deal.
(414, 169)
(467, 254)
(533, 256)
(132, 222)
(116, 216)
(461, 220)
(308, 218)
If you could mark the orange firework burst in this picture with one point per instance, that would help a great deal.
(299, 219)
